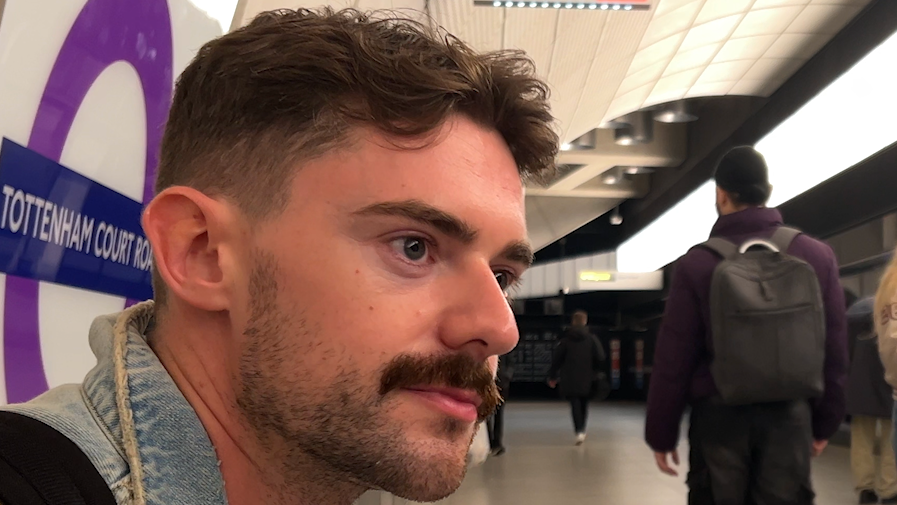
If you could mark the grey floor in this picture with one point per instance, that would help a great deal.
(543, 467)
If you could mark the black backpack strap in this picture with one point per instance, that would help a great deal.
(40, 466)
(724, 248)
(783, 237)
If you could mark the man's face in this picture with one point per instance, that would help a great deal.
(376, 309)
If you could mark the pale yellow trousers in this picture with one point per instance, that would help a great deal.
(872, 456)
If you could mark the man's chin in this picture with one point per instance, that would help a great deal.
(436, 461)
(431, 480)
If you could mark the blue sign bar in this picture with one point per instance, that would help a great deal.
(58, 226)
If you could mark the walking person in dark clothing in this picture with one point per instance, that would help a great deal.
(755, 452)
(496, 422)
(576, 363)
(870, 404)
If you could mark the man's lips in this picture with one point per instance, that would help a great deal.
(458, 403)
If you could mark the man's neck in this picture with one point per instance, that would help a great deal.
(251, 474)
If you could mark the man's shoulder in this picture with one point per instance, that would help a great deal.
(812, 250)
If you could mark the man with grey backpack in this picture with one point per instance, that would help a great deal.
(754, 340)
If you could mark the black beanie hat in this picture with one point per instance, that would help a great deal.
(742, 172)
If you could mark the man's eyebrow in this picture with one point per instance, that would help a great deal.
(424, 214)
(455, 227)
(519, 252)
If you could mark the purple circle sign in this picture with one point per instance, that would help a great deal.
(105, 32)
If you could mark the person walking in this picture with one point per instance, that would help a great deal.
(754, 339)
(869, 403)
(496, 423)
(576, 363)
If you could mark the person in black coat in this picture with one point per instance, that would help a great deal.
(496, 422)
(575, 365)
(869, 403)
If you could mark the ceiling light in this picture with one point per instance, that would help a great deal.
(604, 7)
(533, 4)
(612, 176)
(616, 7)
(593, 6)
(557, 6)
(628, 8)
(545, 5)
(496, 4)
(521, 4)
(675, 112)
(638, 170)
(569, 6)
(640, 129)
(615, 218)
(584, 142)
(509, 4)
(581, 6)
(613, 124)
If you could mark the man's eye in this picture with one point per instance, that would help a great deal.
(504, 280)
(413, 248)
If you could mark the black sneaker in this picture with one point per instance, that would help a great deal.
(892, 499)
(868, 496)
(498, 451)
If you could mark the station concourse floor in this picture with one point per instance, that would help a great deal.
(542, 466)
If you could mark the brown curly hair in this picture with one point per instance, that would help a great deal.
(290, 86)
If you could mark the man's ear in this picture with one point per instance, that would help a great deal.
(193, 238)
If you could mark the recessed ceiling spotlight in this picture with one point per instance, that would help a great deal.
(581, 6)
(604, 7)
(616, 7)
(496, 4)
(593, 6)
(569, 6)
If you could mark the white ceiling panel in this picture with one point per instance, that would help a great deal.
(796, 45)
(608, 68)
(765, 4)
(667, 6)
(647, 76)
(728, 71)
(767, 69)
(720, 88)
(660, 51)
(717, 9)
(632, 101)
(710, 33)
(767, 21)
(676, 21)
(697, 57)
(673, 87)
(748, 48)
(747, 87)
(481, 27)
(534, 31)
(824, 19)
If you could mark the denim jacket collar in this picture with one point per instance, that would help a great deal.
(170, 455)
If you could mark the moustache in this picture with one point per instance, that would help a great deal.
(455, 371)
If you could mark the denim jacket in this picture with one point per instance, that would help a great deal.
(132, 421)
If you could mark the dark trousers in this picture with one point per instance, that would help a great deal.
(579, 405)
(496, 427)
(750, 455)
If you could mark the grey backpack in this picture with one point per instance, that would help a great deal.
(767, 322)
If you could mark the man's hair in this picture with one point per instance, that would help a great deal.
(580, 317)
(291, 85)
(743, 174)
